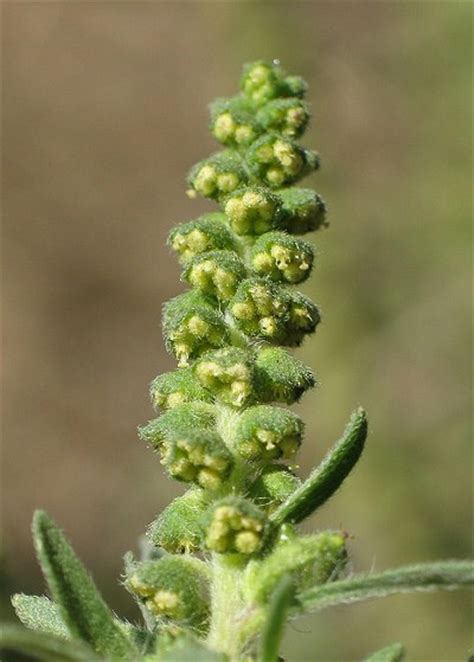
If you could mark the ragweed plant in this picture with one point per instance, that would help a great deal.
(225, 566)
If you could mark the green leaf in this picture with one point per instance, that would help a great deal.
(39, 613)
(275, 622)
(81, 606)
(392, 653)
(44, 646)
(328, 476)
(443, 575)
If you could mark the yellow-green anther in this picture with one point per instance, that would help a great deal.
(281, 377)
(278, 160)
(234, 526)
(224, 127)
(173, 588)
(208, 232)
(303, 210)
(218, 175)
(171, 389)
(216, 273)
(266, 433)
(198, 456)
(282, 258)
(261, 309)
(229, 374)
(252, 210)
(233, 123)
(176, 529)
(244, 134)
(205, 181)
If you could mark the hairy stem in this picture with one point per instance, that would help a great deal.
(226, 604)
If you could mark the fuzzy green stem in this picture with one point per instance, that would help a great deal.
(226, 604)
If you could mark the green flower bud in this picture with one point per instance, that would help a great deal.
(208, 232)
(286, 116)
(216, 273)
(197, 456)
(316, 559)
(262, 81)
(177, 528)
(252, 210)
(229, 374)
(192, 324)
(279, 161)
(282, 258)
(178, 420)
(218, 175)
(172, 588)
(296, 86)
(304, 316)
(282, 377)
(268, 433)
(261, 309)
(233, 123)
(234, 526)
(274, 485)
(303, 210)
(176, 388)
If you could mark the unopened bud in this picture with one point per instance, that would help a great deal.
(176, 529)
(286, 116)
(303, 210)
(171, 389)
(282, 377)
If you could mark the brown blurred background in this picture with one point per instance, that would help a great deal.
(104, 109)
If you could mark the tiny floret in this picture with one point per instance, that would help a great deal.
(282, 258)
(229, 374)
(234, 526)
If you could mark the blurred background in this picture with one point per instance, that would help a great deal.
(104, 110)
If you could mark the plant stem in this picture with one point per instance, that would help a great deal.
(226, 604)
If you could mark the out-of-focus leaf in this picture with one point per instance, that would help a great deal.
(39, 613)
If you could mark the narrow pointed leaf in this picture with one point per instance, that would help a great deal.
(80, 604)
(39, 613)
(328, 476)
(43, 646)
(443, 575)
(276, 616)
(392, 653)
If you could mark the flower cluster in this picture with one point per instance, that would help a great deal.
(219, 428)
